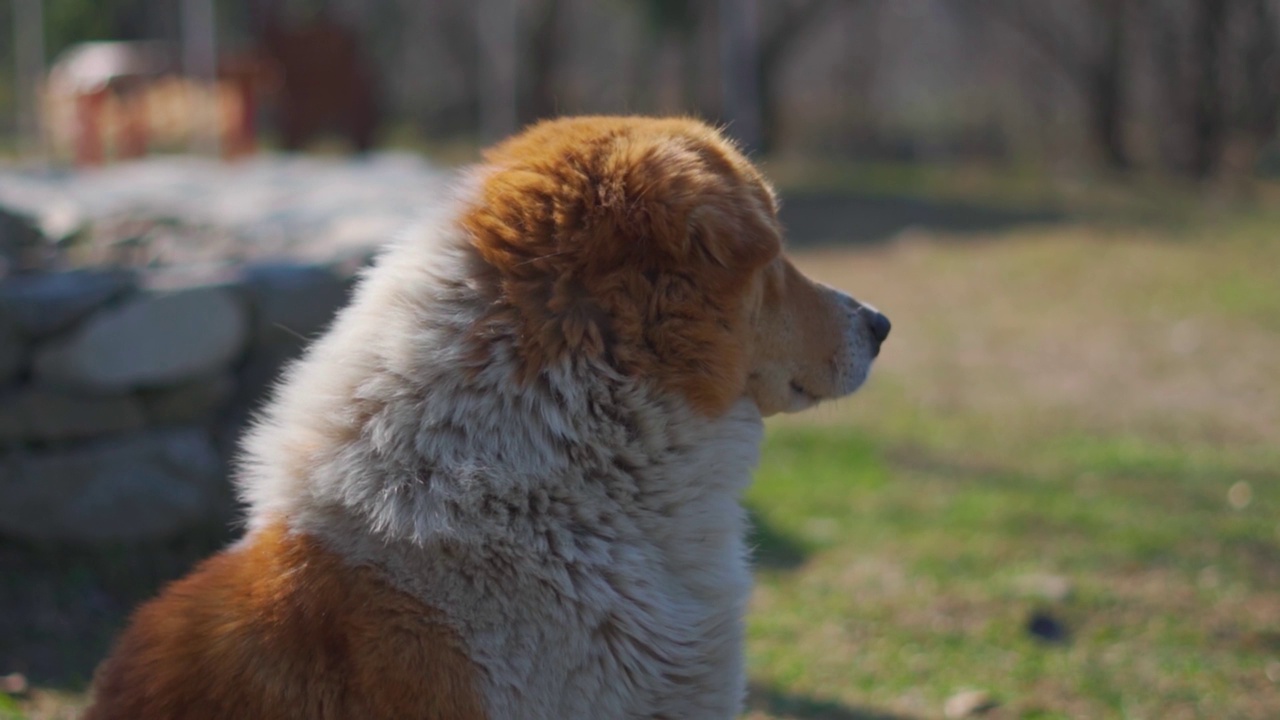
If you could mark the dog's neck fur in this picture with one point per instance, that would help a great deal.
(575, 530)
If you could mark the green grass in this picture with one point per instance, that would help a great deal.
(1055, 428)
(912, 575)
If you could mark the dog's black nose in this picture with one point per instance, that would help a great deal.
(880, 325)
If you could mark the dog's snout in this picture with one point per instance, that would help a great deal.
(879, 324)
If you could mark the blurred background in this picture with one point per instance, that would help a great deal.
(1057, 497)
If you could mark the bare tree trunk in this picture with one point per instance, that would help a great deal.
(496, 37)
(1108, 88)
(540, 99)
(461, 36)
(1100, 76)
(739, 63)
(776, 46)
(1208, 127)
(1261, 111)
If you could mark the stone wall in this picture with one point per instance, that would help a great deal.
(122, 393)
(146, 308)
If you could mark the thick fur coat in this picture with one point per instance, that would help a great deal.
(506, 483)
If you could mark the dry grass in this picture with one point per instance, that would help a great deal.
(1104, 330)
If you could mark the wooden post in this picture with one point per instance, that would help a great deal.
(134, 124)
(88, 126)
(241, 137)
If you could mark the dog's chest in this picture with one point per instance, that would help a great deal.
(655, 629)
(607, 592)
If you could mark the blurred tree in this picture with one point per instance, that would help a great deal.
(739, 35)
(784, 25)
(538, 97)
(1219, 66)
(1090, 45)
(1259, 113)
(72, 21)
(497, 33)
(454, 23)
(673, 25)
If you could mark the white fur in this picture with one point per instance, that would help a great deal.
(582, 534)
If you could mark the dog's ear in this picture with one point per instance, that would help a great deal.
(739, 239)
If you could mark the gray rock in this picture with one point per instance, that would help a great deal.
(46, 303)
(292, 303)
(150, 341)
(35, 413)
(143, 486)
(178, 210)
(22, 245)
(197, 401)
(12, 351)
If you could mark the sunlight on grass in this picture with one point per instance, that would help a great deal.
(920, 577)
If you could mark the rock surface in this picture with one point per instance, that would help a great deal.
(124, 384)
(292, 303)
(143, 486)
(22, 244)
(12, 351)
(46, 303)
(44, 415)
(191, 402)
(150, 341)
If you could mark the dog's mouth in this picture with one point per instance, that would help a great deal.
(801, 398)
(798, 390)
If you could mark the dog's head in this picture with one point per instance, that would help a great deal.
(654, 245)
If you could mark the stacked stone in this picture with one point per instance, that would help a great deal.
(122, 391)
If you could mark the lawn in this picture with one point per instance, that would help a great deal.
(1061, 488)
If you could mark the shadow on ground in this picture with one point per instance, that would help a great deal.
(781, 704)
(817, 219)
(61, 607)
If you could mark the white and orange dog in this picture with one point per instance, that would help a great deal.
(506, 483)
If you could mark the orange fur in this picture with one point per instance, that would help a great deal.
(632, 239)
(282, 628)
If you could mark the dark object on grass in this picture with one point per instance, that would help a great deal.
(1045, 627)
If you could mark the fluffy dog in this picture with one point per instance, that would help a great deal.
(506, 483)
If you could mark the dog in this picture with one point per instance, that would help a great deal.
(505, 483)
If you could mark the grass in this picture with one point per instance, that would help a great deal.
(910, 574)
(1078, 424)
(1074, 427)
